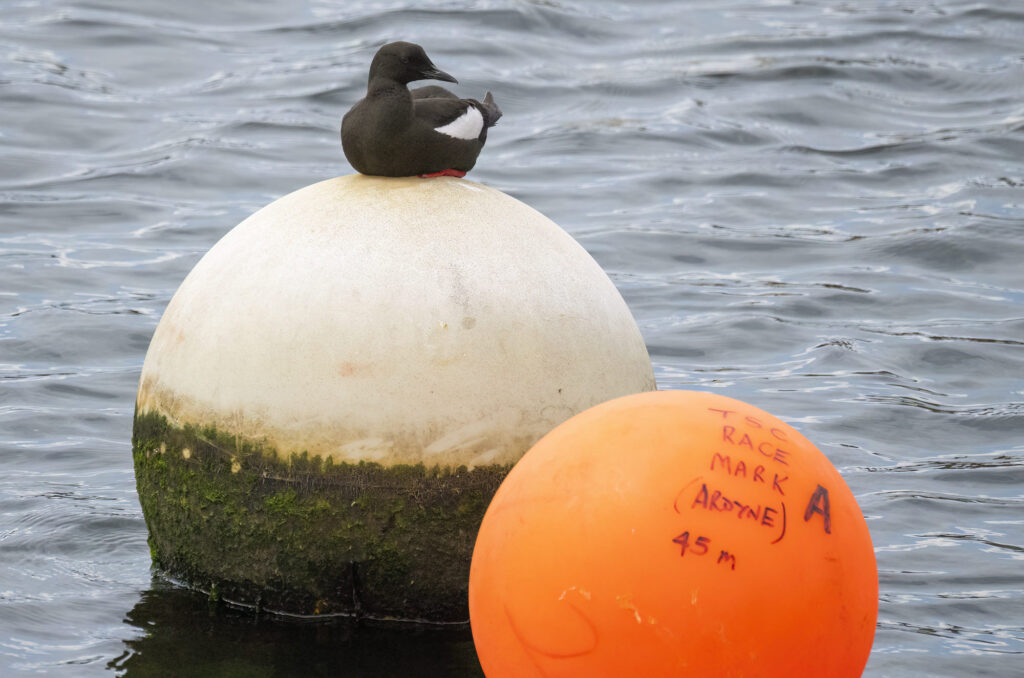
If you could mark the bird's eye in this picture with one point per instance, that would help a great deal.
(404, 60)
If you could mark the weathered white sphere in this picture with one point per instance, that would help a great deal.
(338, 388)
(398, 321)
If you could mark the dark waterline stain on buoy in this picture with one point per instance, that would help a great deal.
(306, 536)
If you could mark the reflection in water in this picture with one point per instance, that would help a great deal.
(180, 630)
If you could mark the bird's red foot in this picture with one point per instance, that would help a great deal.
(444, 173)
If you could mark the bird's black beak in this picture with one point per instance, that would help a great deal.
(432, 72)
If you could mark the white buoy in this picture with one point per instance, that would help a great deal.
(349, 366)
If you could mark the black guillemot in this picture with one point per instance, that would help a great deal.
(429, 131)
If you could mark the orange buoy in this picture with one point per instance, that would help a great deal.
(673, 533)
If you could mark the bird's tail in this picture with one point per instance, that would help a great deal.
(491, 111)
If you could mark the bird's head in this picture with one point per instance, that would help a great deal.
(405, 62)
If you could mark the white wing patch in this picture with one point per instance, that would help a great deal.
(466, 126)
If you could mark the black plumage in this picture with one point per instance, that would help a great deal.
(396, 132)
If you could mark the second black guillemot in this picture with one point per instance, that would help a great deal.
(429, 131)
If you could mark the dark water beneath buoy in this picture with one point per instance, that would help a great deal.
(816, 207)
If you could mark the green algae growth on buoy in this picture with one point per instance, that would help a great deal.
(339, 386)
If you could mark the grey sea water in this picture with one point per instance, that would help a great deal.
(815, 206)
